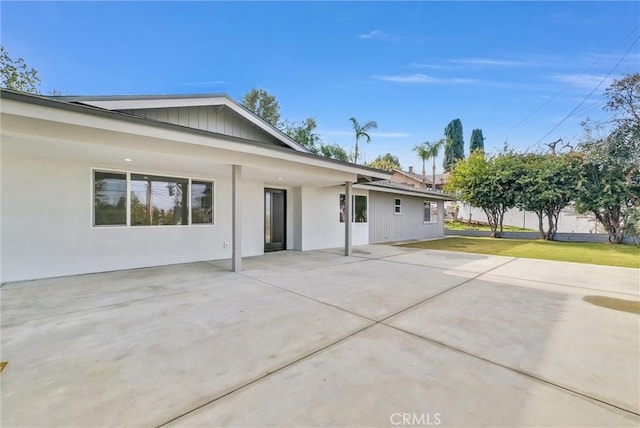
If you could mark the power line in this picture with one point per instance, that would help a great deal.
(592, 92)
(572, 82)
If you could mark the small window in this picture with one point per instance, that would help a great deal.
(201, 202)
(359, 214)
(360, 209)
(398, 206)
(158, 201)
(430, 212)
(110, 199)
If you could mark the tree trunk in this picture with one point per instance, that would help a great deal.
(540, 224)
(424, 174)
(611, 220)
(433, 177)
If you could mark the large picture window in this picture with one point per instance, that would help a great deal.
(109, 199)
(359, 214)
(152, 200)
(430, 212)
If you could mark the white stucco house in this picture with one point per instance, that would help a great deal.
(91, 184)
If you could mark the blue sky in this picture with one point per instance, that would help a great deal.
(411, 66)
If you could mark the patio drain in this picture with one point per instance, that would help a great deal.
(631, 306)
(2, 365)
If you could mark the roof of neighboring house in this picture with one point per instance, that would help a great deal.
(134, 102)
(402, 189)
(365, 173)
(440, 178)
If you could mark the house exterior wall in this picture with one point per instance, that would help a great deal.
(46, 211)
(386, 226)
(208, 118)
(321, 226)
(409, 181)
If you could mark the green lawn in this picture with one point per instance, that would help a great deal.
(578, 252)
(460, 225)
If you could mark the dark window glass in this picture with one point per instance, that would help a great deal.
(158, 200)
(201, 202)
(359, 204)
(398, 206)
(360, 209)
(109, 199)
(427, 212)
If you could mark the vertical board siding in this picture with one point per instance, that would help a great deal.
(207, 118)
(386, 226)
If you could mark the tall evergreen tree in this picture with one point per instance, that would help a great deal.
(477, 140)
(454, 144)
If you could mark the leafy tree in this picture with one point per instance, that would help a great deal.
(487, 182)
(610, 186)
(16, 75)
(263, 104)
(632, 225)
(333, 151)
(547, 184)
(387, 162)
(304, 132)
(454, 145)
(477, 140)
(361, 131)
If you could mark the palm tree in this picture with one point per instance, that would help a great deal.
(425, 151)
(361, 131)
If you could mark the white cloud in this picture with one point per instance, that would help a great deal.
(583, 81)
(490, 62)
(381, 35)
(423, 78)
(371, 35)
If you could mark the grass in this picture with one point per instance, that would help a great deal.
(578, 252)
(460, 225)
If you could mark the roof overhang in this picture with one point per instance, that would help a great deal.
(32, 115)
(135, 102)
(406, 191)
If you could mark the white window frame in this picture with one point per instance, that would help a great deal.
(353, 206)
(431, 219)
(397, 207)
(128, 199)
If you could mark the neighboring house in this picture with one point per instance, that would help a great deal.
(410, 178)
(94, 184)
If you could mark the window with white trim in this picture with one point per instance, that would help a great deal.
(430, 212)
(359, 203)
(152, 200)
(397, 208)
(109, 198)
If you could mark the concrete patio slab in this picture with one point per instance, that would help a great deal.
(379, 376)
(142, 362)
(545, 330)
(619, 279)
(374, 251)
(293, 340)
(478, 263)
(374, 289)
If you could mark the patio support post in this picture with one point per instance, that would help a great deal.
(347, 218)
(236, 219)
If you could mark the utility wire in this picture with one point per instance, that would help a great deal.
(592, 92)
(571, 82)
